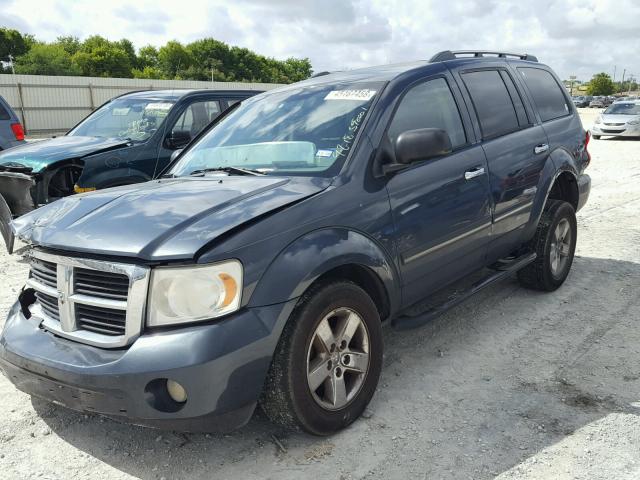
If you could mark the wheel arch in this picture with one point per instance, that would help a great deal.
(332, 253)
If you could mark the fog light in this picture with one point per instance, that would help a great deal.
(176, 391)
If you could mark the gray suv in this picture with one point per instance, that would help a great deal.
(11, 132)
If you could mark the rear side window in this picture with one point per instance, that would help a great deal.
(496, 112)
(429, 105)
(546, 93)
(4, 114)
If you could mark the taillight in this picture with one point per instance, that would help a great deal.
(17, 131)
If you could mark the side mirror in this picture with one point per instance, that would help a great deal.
(177, 139)
(175, 154)
(417, 145)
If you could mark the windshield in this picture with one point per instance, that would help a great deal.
(623, 109)
(125, 118)
(296, 131)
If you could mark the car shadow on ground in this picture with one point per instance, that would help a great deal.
(477, 390)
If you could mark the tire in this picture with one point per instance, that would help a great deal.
(543, 274)
(302, 358)
(596, 137)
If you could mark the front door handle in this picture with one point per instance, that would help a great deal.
(543, 147)
(476, 172)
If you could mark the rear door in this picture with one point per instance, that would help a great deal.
(441, 206)
(516, 148)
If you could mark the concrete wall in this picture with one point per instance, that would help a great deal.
(49, 105)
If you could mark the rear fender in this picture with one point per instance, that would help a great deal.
(560, 161)
(302, 262)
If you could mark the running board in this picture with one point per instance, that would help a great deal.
(406, 322)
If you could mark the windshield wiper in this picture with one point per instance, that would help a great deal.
(235, 170)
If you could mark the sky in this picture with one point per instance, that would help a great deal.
(574, 37)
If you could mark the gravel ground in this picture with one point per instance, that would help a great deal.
(513, 383)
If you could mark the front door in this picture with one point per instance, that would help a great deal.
(441, 206)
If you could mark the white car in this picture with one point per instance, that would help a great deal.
(621, 119)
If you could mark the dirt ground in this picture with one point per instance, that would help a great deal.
(512, 384)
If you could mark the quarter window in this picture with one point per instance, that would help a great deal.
(4, 114)
(546, 93)
(429, 105)
(496, 112)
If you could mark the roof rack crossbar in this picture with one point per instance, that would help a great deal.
(452, 55)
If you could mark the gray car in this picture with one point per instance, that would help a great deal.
(11, 132)
(621, 119)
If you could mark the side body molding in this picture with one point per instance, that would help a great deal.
(310, 256)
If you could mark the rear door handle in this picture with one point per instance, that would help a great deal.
(473, 173)
(543, 147)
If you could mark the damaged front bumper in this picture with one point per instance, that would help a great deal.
(222, 366)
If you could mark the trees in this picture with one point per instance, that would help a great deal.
(601, 84)
(46, 59)
(204, 59)
(13, 43)
(173, 59)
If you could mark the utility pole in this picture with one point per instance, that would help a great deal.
(573, 79)
(614, 73)
(13, 71)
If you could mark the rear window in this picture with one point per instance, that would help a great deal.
(491, 99)
(4, 114)
(547, 94)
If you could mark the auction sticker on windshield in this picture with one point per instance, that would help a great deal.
(360, 95)
(158, 109)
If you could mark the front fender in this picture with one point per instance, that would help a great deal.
(304, 260)
(112, 168)
(111, 177)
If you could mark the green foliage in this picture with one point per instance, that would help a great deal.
(12, 42)
(46, 59)
(173, 59)
(70, 44)
(205, 59)
(601, 84)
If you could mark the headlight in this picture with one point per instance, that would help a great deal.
(599, 119)
(635, 121)
(189, 294)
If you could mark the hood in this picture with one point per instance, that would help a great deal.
(169, 219)
(616, 118)
(40, 154)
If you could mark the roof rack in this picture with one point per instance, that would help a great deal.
(320, 74)
(452, 55)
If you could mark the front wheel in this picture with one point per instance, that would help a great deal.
(326, 367)
(555, 245)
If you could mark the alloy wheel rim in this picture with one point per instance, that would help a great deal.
(338, 359)
(560, 247)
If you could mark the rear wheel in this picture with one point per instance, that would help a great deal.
(555, 245)
(328, 361)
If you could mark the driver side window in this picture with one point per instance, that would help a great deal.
(429, 105)
(196, 117)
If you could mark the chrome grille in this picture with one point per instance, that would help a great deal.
(44, 272)
(91, 301)
(107, 321)
(101, 284)
(49, 305)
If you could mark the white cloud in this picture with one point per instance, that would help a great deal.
(578, 37)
